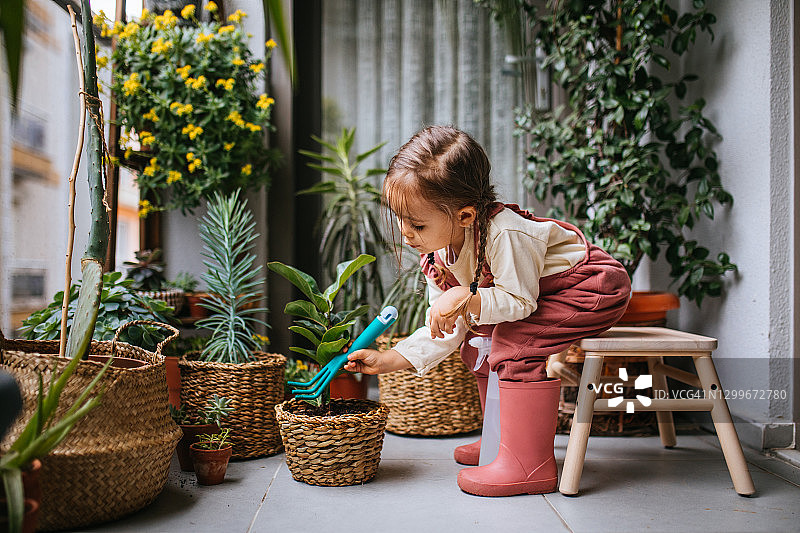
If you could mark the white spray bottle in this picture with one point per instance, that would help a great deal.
(490, 438)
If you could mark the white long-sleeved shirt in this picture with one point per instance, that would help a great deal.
(519, 252)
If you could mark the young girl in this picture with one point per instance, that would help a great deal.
(534, 285)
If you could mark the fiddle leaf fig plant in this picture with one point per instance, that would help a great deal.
(326, 329)
(629, 159)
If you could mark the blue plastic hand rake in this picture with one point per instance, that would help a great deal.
(314, 388)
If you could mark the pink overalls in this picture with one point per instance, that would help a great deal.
(580, 302)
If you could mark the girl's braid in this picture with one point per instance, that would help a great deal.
(483, 223)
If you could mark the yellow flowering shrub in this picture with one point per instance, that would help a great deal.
(188, 92)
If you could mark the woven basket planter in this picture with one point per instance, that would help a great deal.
(254, 389)
(115, 460)
(174, 298)
(444, 401)
(333, 451)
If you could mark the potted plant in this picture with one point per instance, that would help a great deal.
(445, 401)
(628, 160)
(231, 363)
(210, 456)
(188, 283)
(331, 442)
(207, 421)
(192, 120)
(147, 276)
(119, 304)
(46, 428)
(348, 227)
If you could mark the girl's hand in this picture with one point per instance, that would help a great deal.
(443, 310)
(369, 361)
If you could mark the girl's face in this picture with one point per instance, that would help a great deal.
(426, 228)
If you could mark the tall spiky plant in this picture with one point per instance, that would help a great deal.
(233, 281)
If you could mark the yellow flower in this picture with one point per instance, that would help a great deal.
(271, 44)
(264, 101)
(190, 156)
(105, 31)
(197, 83)
(184, 70)
(173, 176)
(151, 115)
(192, 131)
(237, 16)
(301, 365)
(146, 138)
(128, 152)
(203, 38)
(257, 67)
(227, 84)
(262, 339)
(253, 127)
(225, 29)
(100, 18)
(144, 208)
(145, 14)
(114, 161)
(102, 61)
(131, 84)
(188, 11)
(229, 146)
(130, 30)
(238, 61)
(194, 165)
(234, 116)
(165, 21)
(161, 46)
(151, 169)
(118, 27)
(247, 170)
(211, 6)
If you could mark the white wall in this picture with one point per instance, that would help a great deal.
(745, 77)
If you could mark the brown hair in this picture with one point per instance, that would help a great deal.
(447, 167)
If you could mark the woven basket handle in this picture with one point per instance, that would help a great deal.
(161, 344)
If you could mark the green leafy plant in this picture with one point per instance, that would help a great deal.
(192, 119)
(119, 304)
(216, 441)
(348, 225)
(327, 330)
(628, 160)
(233, 281)
(44, 431)
(218, 407)
(184, 281)
(147, 272)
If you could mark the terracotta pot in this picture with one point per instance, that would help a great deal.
(190, 433)
(210, 465)
(173, 379)
(648, 308)
(29, 521)
(346, 385)
(193, 303)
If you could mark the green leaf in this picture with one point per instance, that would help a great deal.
(305, 332)
(327, 350)
(304, 282)
(305, 309)
(343, 272)
(336, 332)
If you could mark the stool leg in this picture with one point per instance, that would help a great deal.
(726, 432)
(581, 425)
(666, 426)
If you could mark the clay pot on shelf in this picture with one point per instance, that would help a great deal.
(649, 308)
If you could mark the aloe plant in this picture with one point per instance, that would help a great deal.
(348, 225)
(328, 330)
(233, 280)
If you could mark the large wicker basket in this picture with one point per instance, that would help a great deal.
(254, 389)
(115, 460)
(444, 401)
(333, 451)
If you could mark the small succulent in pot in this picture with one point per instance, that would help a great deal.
(210, 456)
(207, 421)
(326, 329)
(147, 271)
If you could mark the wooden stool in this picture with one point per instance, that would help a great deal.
(655, 344)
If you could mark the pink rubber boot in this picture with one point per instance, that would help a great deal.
(468, 454)
(525, 463)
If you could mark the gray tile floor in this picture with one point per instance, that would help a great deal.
(628, 484)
